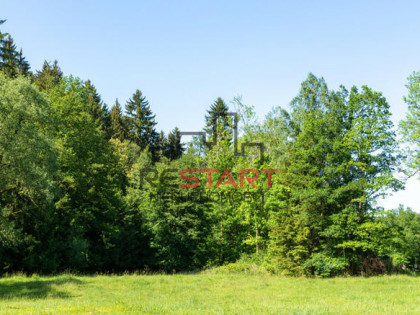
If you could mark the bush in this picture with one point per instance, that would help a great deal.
(251, 264)
(323, 265)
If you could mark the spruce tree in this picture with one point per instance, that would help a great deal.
(141, 123)
(8, 57)
(217, 121)
(49, 76)
(12, 62)
(22, 64)
(118, 128)
(97, 109)
(163, 144)
(174, 147)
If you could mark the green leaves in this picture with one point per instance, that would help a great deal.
(337, 154)
(410, 126)
(25, 123)
(28, 164)
(74, 191)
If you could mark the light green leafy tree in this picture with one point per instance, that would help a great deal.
(28, 162)
(410, 126)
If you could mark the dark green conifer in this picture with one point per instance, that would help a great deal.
(118, 128)
(141, 123)
(8, 57)
(217, 121)
(97, 109)
(174, 147)
(22, 64)
(49, 76)
(163, 144)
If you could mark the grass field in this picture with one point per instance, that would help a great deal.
(208, 293)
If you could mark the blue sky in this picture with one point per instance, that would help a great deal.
(184, 54)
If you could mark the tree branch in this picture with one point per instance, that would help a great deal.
(8, 189)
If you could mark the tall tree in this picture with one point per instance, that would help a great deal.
(49, 76)
(299, 215)
(12, 62)
(8, 57)
(410, 126)
(163, 144)
(22, 64)
(97, 109)
(174, 147)
(118, 128)
(89, 178)
(218, 123)
(180, 227)
(141, 123)
(28, 165)
(340, 158)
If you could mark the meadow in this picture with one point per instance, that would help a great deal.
(208, 293)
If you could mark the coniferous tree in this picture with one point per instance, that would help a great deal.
(217, 121)
(49, 76)
(162, 144)
(22, 64)
(174, 147)
(118, 128)
(12, 62)
(2, 37)
(8, 57)
(97, 109)
(141, 123)
(69, 198)
(180, 229)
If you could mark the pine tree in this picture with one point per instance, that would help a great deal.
(174, 147)
(218, 122)
(12, 62)
(97, 109)
(118, 128)
(141, 123)
(163, 144)
(8, 57)
(22, 64)
(180, 228)
(49, 76)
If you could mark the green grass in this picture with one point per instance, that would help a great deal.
(208, 293)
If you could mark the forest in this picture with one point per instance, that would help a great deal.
(86, 187)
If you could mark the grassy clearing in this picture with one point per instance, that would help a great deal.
(208, 293)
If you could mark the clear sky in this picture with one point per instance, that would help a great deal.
(184, 54)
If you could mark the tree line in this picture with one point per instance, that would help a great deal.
(73, 195)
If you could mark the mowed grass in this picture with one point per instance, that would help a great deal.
(208, 293)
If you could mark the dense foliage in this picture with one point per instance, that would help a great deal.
(88, 188)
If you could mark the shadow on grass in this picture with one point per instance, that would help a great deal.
(35, 289)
